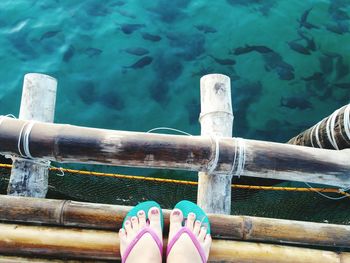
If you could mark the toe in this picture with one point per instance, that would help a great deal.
(154, 218)
(197, 227)
(135, 223)
(122, 240)
(142, 218)
(176, 218)
(202, 234)
(128, 228)
(191, 217)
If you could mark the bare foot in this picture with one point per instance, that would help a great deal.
(146, 249)
(184, 249)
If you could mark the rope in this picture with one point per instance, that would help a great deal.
(239, 157)
(214, 163)
(347, 120)
(330, 129)
(193, 183)
(169, 129)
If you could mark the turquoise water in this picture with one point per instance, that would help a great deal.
(135, 65)
(299, 75)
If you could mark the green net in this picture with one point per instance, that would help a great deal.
(306, 206)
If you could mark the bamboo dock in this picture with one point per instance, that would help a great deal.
(36, 229)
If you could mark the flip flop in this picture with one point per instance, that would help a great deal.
(145, 206)
(187, 207)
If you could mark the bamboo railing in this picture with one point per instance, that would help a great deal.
(67, 143)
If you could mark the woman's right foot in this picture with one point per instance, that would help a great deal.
(184, 250)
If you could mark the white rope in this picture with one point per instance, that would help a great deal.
(347, 120)
(214, 163)
(316, 134)
(170, 129)
(330, 129)
(311, 137)
(239, 157)
(234, 158)
(326, 196)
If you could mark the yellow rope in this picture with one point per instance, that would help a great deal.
(183, 182)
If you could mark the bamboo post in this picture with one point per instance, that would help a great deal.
(216, 119)
(104, 245)
(68, 143)
(333, 132)
(110, 217)
(30, 178)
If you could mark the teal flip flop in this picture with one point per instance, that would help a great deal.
(145, 206)
(187, 207)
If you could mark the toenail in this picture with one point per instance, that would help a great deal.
(141, 213)
(127, 223)
(134, 218)
(198, 222)
(177, 213)
(191, 214)
(154, 211)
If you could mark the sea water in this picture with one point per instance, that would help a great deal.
(136, 64)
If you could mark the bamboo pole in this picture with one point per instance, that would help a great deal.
(110, 217)
(98, 244)
(333, 132)
(38, 104)
(216, 118)
(68, 143)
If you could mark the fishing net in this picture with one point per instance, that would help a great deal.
(169, 187)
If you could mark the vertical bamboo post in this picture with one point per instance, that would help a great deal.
(216, 119)
(30, 178)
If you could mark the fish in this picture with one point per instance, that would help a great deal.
(202, 71)
(274, 61)
(117, 3)
(315, 76)
(130, 28)
(247, 49)
(126, 14)
(49, 34)
(151, 37)
(225, 62)
(205, 28)
(87, 92)
(311, 45)
(344, 85)
(295, 102)
(303, 20)
(326, 64)
(141, 63)
(68, 54)
(92, 52)
(294, 45)
(338, 28)
(341, 68)
(137, 51)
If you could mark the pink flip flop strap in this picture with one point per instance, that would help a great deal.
(194, 240)
(138, 237)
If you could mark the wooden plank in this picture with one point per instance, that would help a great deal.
(216, 118)
(37, 104)
(68, 143)
(110, 217)
(98, 244)
(333, 132)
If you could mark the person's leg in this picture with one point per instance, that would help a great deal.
(146, 248)
(184, 249)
